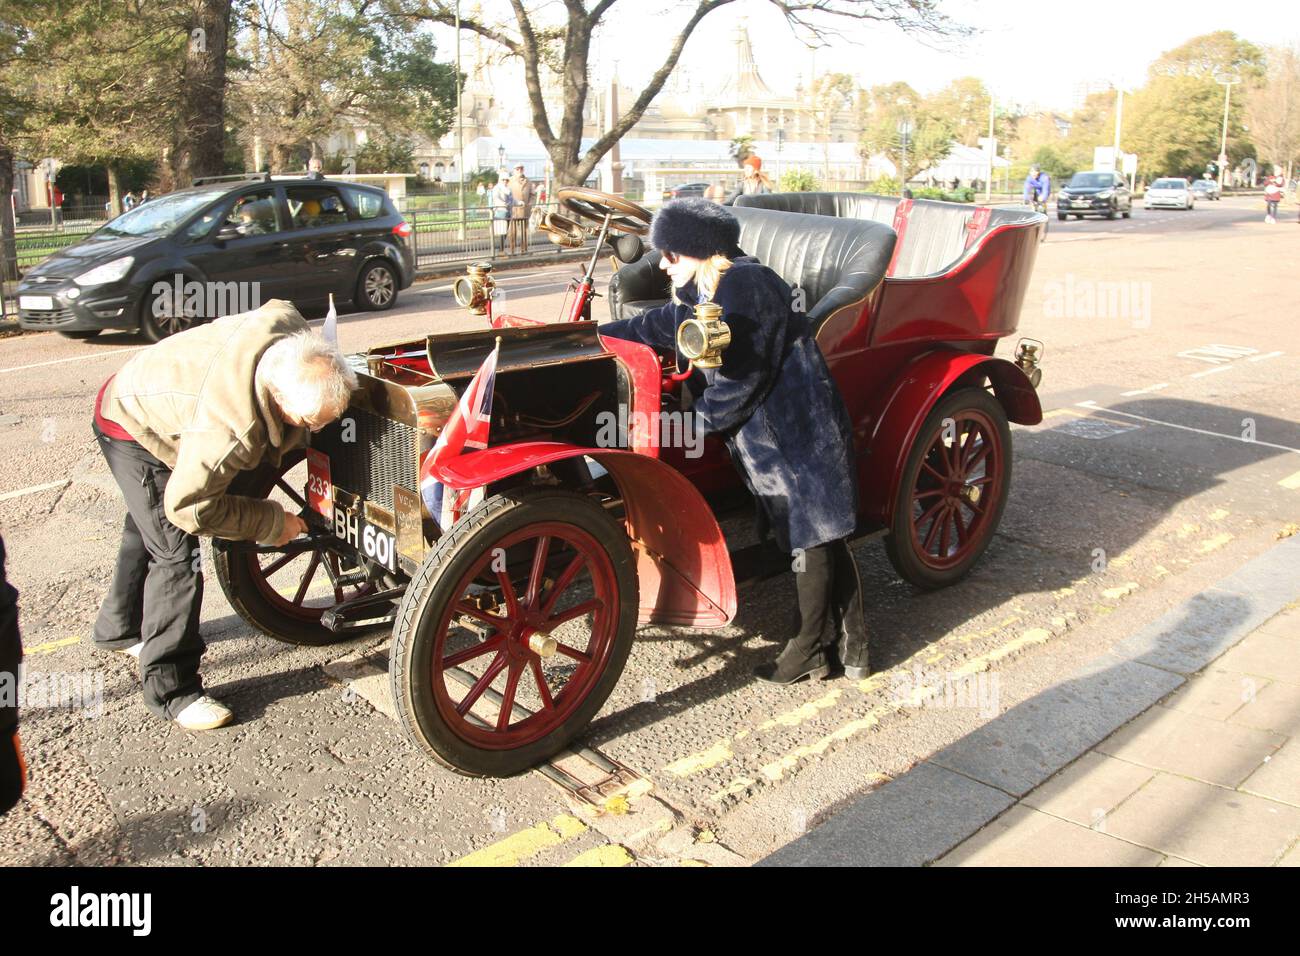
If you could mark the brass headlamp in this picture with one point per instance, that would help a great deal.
(703, 338)
(474, 289)
(1029, 353)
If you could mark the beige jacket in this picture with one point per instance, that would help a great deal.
(195, 402)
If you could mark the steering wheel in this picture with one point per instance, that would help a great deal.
(594, 205)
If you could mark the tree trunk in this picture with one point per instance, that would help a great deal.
(114, 190)
(200, 149)
(8, 245)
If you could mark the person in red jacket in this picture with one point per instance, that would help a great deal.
(1273, 188)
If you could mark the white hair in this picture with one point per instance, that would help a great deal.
(309, 374)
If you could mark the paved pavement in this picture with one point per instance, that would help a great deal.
(1206, 774)
(1170, 456)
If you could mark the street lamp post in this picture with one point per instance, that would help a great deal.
(460, 129)
(1226, 81)
(904, 130)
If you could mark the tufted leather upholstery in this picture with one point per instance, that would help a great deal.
(936, 234)
(835, 261)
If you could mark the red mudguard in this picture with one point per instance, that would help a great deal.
(917, 389)
(683, 566)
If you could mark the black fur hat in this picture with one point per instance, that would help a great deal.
(695, 227)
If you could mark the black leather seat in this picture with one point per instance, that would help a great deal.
(835, 261)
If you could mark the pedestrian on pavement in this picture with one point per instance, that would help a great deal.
(753, 182)
(176, 424)
(501, 201)
(129, 201)
(1272, 196)
(521, 207)
(772, 382)
(12, 772)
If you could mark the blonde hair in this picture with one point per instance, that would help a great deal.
(707, 276)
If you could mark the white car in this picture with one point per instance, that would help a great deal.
(1169, 194)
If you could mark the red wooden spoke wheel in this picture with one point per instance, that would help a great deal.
(514, 631)
(284, 592)
(952, 490)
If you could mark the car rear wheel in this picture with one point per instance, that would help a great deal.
(514, 632)
(284, 592)
(952, 491)
(1061, 216)
(377, 287)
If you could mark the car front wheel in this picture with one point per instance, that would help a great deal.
(377, 287)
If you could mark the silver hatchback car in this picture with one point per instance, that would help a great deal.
(1169, 194)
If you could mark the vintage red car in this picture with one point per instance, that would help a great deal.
(511, 626)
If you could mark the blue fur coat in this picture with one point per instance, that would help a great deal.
(773, 401)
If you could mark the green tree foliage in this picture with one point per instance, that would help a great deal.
(1175, 124)
(798, 181)
(929, 140)
(1212, 53)
(386, 154)
(308, 67)
(964, 104)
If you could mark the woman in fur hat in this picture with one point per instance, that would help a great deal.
(775, 404)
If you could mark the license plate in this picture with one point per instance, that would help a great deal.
(320, 487)
(40, 303)
(374, 543)
(1080, 202)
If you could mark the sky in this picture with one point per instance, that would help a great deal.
(1021, 52)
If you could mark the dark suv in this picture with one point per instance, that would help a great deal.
(219, 248)
(1095, 194)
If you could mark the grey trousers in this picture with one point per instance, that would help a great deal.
(157, 590)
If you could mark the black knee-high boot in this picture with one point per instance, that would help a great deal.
(850, 620)
(804, 655)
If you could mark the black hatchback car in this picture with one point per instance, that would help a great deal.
(1102, 194)
(223, 247)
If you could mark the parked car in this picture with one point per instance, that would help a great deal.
(686, 189)
(1206, 189)
(512, 621)
(298, 239)
(1169, 193)
(1094, 194)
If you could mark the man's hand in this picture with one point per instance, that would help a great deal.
(293, 526)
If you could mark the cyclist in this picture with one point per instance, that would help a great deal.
(1038, 186)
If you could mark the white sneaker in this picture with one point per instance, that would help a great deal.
(205, 714)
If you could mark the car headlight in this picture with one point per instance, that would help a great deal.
(108, 272)
(1105, 194)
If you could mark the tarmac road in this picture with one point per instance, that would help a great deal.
(1169, 337)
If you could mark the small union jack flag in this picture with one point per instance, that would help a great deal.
(467, 429)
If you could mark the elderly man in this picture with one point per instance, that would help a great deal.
(521, 207)
(177, 424)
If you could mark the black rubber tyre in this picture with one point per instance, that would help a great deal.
(1128, 213)
(81, 334)
(247, 594)
(1061, 216)
(439, 582)
(376, 287)
(156, 328)
(1111, 213)
(901, 545)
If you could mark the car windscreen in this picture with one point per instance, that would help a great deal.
(1091, 180)
(158, 216)
(1169, 184)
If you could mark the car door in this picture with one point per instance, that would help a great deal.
(322, 247)
(243, 242)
